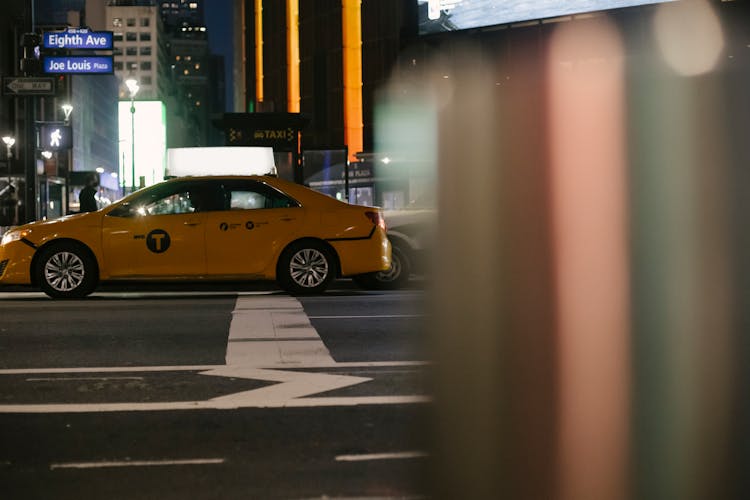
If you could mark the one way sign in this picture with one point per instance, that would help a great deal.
(21, 85)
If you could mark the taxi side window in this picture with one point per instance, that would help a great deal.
(255, 195)
(177, 203)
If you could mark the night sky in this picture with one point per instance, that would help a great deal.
(218, 21)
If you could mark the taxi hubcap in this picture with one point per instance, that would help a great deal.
(64, 271)
(309, 268)
(393, 273)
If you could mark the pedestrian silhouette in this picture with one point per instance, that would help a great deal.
(86, 198)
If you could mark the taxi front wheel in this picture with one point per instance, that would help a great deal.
(66, 270)
(306, 267)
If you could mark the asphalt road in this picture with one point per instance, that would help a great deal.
(213, 393)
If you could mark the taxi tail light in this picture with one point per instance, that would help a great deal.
(376, 218)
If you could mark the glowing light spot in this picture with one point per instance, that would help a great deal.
(689, 36)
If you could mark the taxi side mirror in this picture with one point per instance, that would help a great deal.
(124, 210)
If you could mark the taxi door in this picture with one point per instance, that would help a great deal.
(162, 237)
(244, 239)
(169, 245)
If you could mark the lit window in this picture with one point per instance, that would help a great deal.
(197, 65)
(193, 5)
(198, 103)
(188, 58)
(186, 72)
(176, 58)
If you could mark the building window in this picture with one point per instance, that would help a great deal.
(117, 22)
(131, 37)
(186, 72)
(177, 58)
(118, 65)
(145, 37)
(146, 65)
(117, 51)
(117, 37)
(131, 51)
(145, 22)
(146, 80)
(145, 51)
(133, 65)
(197, 65)
(131, 21)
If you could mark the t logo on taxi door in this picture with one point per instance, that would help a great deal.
(158, 241)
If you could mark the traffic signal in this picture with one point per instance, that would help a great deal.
(30, 63)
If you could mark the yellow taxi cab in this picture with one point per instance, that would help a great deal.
(215, 228)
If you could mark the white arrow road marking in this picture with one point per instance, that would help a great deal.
(267, 333)
(293, 385)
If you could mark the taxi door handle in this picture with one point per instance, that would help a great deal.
(191, 223)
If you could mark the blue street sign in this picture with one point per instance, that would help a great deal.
(78, 38)
(80, 65)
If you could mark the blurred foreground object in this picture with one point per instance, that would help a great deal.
(591, 343)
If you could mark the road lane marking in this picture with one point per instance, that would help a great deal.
(135, 463)
(213, 405)
(386, 316)
(109, 369)
(199, 368)
(381, 456)
(282, 319)
(78, 379)
(137, 295)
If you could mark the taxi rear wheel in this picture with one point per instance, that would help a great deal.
(66, 270)
(394, 278)
(306, 267)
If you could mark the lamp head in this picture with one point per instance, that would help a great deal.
(9, 141)
(67, 109)
(132, 85)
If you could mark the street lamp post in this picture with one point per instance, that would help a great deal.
(9, 142)
(132, 85)
(67, 109)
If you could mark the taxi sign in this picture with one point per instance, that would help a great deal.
(78, 38)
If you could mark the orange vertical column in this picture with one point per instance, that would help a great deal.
(292, 55)
(351, 20)
(259, 51)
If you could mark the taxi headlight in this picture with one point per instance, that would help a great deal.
(12, 235)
